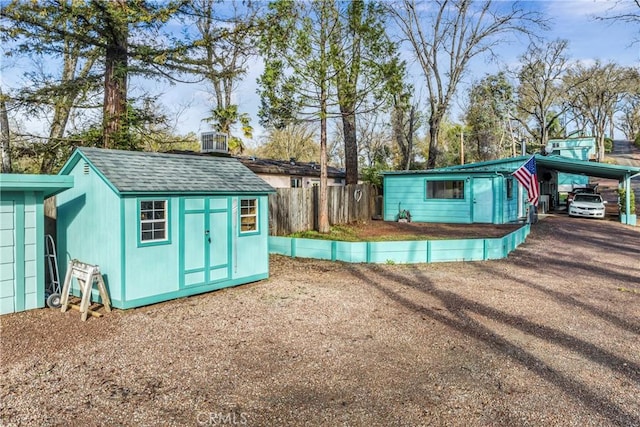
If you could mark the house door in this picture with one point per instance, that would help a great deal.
(482, 200)
(204, 241)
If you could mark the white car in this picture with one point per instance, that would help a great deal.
(587, 205)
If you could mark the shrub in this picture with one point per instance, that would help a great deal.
(622, 196)
(372, 175)
(637, 141)
(608, 145)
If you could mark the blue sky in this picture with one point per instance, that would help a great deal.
(574, 20)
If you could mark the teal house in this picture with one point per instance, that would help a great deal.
(576, 149)
(452, 196)
(22, 253)
(486, 192)
(163, 226)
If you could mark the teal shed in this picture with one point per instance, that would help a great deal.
(452, 196)
(22, 253)
(163, 226)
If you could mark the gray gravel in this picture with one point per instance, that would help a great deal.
(548, 336)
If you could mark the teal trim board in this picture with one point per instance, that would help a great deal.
(401, 252)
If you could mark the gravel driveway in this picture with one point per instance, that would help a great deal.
(548, 336)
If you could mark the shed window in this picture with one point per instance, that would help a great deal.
(445, 189)
(153, 220)
(248, 215)
(296, 182)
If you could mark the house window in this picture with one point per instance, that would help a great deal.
(445, 189)
(509, 188)
(296, 182)
(248, 215)
(153, 221)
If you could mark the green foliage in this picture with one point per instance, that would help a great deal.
(622, 194)
(372, 175)
(608, 145)
(636, 142)
(296, 141)
(125, 37)
(224, 118)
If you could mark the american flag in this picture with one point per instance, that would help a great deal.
(528, 177)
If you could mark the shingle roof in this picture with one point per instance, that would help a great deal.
(288, 167)
(138, 172)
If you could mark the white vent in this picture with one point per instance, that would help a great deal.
(213, 142)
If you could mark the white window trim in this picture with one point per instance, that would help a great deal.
(153, 221)
(254, 215)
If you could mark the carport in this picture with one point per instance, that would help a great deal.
(623, 174)
(548, 168)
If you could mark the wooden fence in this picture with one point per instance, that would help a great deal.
(296, 209)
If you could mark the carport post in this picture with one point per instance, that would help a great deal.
(627, 198)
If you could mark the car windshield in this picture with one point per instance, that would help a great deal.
(591, 198)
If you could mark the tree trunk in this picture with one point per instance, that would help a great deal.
(412, 115)
(601, 136)
(350, 146)
(4, 135)
(434, 131)
(115, 124)
(323, 215)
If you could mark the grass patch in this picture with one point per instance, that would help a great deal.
(337, 232)
(345, 233)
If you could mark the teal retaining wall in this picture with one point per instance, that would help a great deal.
(404, 252)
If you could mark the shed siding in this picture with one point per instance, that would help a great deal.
(21, 251)
(89, 218)
(251, 254)
(7, 254)
(150, 270)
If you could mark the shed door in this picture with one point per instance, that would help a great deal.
(204, 241)
(482, 200)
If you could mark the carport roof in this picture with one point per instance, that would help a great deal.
(49, 185)
(559, 163)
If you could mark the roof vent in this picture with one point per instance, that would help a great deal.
(213, 142)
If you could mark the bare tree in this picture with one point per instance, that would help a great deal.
(595, 91)
(624, 11)
(541, 90)
(445, 35)
(629, 122)
(404, 122)
(227, 41)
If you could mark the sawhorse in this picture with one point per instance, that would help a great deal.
(86, 275)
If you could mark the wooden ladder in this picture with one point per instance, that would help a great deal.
(86, 275)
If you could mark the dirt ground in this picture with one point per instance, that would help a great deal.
(548, 336)
(375, 229)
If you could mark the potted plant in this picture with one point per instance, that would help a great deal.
(627, 218)
(404, 216)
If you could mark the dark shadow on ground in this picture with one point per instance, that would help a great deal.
(458, 306)
(563, 298)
